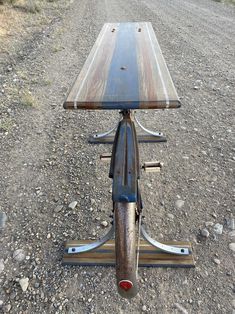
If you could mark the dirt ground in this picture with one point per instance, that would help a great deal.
(46, 162)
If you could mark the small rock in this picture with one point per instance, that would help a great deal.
(93, 201)
(3, 219)
(58, 208)
(231, 223)
(38, 190)
(144, 308)
(48, 236)
(179, 204)
(19, 255)
(170, 216)
(195, 87)
(73, 205)
(233, 303)
(24, 283)
(218, 228)
(104, 223)
(181, 308)
(216, 261)
(209, 224)
(1, 266)
(232, 235)
(36, 285)
(205, 233)
(7, 308)
(1, 304)
(232, 246)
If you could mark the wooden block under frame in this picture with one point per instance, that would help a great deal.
(149, 256)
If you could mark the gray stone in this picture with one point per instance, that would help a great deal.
(7, 308)
(232, 246)
(233, 303)
(205, 233)
(104, 223)
(58, 208)
(36, 285)
(24, 283)
(1, 266)
(144, 308)
(170, 216)
(218, 228)
(3, 220)
(216, 261)
(181, 308)
(73, 205)
(19, 255)
(179, 204)
(231, 223)
(93, 201)
(209, 224)
(1, 304)
(232, 235)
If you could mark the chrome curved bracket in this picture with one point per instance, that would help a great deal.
(101, 135)
(146, 130)
(94, 245)
(164, 247)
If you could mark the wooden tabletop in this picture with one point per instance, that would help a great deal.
(124, 70)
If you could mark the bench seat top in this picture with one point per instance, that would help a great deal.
(124, 70)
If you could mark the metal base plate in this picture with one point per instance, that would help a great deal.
(149, 256)
(142, 138)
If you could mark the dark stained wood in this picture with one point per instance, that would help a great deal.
(124, 70)
(149, 255)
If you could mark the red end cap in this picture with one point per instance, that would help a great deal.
(125, 284)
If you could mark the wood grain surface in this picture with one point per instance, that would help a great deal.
(149, 256)
(124, 70)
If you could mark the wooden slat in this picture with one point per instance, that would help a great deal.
(149, 255)
(124, 70)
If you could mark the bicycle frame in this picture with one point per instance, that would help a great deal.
(127, 207)
(125, 166)
(125, 172)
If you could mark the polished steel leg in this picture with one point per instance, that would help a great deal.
(163, 247)
(94, 245)
(157, 134)
(100, 137)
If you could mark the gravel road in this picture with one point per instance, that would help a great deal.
(46, 163)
